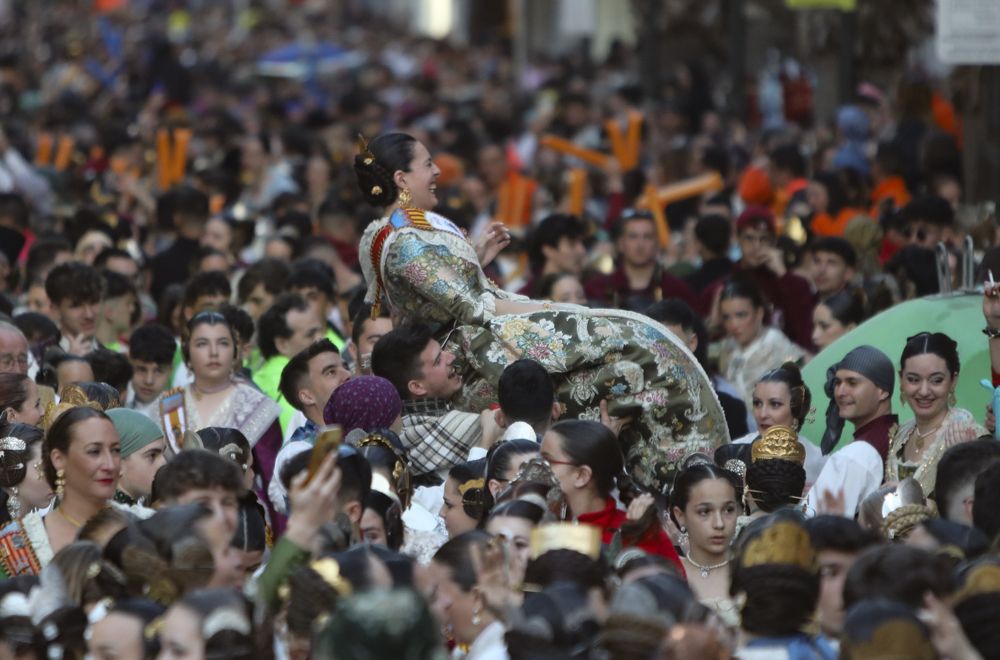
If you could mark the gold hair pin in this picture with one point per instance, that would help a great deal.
(369, 158)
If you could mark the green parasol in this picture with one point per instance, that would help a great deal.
(959, 315)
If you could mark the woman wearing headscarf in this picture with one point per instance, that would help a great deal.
(142, 454)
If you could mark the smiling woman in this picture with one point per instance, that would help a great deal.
(431, 273)
(928, 375)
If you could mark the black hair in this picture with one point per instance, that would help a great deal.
(389, 153)
(547, 284)
(935, 343)
(272, 273)
(775, 483)
(548, 233)
(847, 305)
(40, 331)
(58, 436)
(799, 396)
(396, 356)
(207, 318)
(986, 502)
(739, 287)
(834, 184)
(567, 566)
(273, 323)
(14, 463)
(525, 393)
(389, 511)
(117, 285)
(457, 553)
(557, 623)
(789, 157)
(168, 303)
(209, 283)
(42, 256)
(961, 464)
(714, 232)
(13, 390)
(110, 367)
(75, 282)
(109, 253)
(900, 572)
(251, 529)
(297, 369)
(101, 393)
(152, 343)
(928, 208)
(312, 274)
(218, 438)
(356, 473)
(866, 621)
(590, 443)
(836, 245)
(196, 469)
(977, 613)
(691, 476)
(529, 511)
(190, 204)
(839, 533)
(780, 597)
(952, 536)
(362, 316)
(673, 311)
(474, 498)
(240, 321)
(48, 375)
(631, 215)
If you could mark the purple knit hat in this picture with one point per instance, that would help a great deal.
(365, 402)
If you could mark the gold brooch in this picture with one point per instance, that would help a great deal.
(369, 160)
(376, 190)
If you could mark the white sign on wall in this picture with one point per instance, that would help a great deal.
(968, 31)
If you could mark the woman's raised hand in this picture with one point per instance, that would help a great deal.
(492, 242)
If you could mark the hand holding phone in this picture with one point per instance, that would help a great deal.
(328, 440)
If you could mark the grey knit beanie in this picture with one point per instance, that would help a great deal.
(871, 363)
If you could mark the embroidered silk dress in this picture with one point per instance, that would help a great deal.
(430, 274)
(958, 426)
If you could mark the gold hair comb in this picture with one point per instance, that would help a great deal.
(368, 157)
(585, 539)
(783, 543)
(778, 442)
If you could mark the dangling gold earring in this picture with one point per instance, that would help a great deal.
(13, 504)
(60, 484)
(405, 198)
(951, 399)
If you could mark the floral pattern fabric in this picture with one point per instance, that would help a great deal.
(635, 363)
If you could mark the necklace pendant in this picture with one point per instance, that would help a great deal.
(704, 572)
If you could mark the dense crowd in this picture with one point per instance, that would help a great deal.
(320, 339)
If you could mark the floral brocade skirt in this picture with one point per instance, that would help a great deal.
(635, 363)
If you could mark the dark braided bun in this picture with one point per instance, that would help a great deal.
(775, 483)
(376, 168)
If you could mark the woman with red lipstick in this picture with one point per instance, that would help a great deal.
(81, 463)
(928, 376)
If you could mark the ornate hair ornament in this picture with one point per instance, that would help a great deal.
(470, 484)
(778, 442)
(896, 638)
(981, 579)
(782, 544)
(11, 443)
(401, 476)
(585, 539)
(328, 569)
(737, 467)
(900, 521)
(72, 396)
(366, 154)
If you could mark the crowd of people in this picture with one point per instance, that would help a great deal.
(409, 353)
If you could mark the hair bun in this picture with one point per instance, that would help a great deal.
(376, 184)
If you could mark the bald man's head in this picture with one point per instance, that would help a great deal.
(13, 349)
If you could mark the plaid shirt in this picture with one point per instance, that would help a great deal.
(437, 437)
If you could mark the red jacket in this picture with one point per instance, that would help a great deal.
(610, 519)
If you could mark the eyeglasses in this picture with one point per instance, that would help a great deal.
(552, 461)
(8, 360)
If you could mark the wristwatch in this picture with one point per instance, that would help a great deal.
(992, 333)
